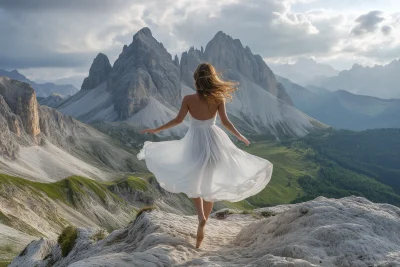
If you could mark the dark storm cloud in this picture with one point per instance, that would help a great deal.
(69, 5)
(367, 23)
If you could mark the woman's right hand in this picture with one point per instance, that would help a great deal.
(244, 140)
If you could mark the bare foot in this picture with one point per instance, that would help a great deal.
(200, 232)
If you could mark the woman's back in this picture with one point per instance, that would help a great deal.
(200, 109)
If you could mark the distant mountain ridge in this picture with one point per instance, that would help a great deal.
(145, 87)
(344, 110)
(379, 81)
(41, 89)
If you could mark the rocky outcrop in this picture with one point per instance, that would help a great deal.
(145, 88)
(50, 145)
(21, 99)
(227, 53)
(351, 231)
(261, 105)
(98, 73)
(143, 69)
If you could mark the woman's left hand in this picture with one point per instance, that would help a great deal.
(151, 131)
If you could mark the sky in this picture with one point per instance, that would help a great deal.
(51, 39)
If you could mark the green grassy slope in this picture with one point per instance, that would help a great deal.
(332, 164)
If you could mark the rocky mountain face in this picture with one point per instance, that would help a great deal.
(41, 143)
(342, 109)
(41, 89)
(378, 81)
(310, 234)
(144, 69)
(142, 88)
(261, 105)
(145, 88)
(98, 73)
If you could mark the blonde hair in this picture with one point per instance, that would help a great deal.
(210, 86)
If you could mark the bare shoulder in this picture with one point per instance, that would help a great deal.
(189, 98)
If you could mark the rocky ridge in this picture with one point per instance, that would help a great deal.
(324, 232)
(145, 87)
(41, 143)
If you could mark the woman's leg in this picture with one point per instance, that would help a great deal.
(207, 207)
(198, 203)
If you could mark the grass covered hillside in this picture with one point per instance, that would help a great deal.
(332, 164)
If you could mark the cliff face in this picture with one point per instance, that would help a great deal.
(98, 73)
(227, 53)
(143, 69)
(21, 99)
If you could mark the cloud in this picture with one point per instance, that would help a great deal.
(59, 34)
(386, 30)
(367, 23)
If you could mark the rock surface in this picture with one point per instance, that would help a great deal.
(21, 99)
(261, 105)
(41, 89)
(41, 143)
(144, 69)
(325, 232)
(98, 73)
(145, 88)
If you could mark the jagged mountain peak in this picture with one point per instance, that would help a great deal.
(144, 32)
(99, 72)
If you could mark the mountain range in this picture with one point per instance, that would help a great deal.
(342, 109)
(378, 81)
(145, 86)
(41, 89)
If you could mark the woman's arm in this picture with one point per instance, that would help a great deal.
(179, 119)
(228, 124)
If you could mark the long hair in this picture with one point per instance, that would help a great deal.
(210, 86)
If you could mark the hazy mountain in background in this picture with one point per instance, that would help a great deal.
(53, 101)
(41, 89)
(342, 109)
(145, 86)
(76, 80)
(379, 81)
(304, 71)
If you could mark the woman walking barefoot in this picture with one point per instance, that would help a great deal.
(205, 164)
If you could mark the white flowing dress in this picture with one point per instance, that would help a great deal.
(206, 163)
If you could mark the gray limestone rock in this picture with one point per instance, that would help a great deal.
(99, 72)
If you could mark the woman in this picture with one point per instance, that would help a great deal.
(205, 164)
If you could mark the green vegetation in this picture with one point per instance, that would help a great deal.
(332, 164)
(67, 240)
(99, 235)
(72, 189)
(374, 153)
(130, 182)
(4, 263)
(289, 165)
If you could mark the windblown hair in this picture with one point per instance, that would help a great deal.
(210, 86)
